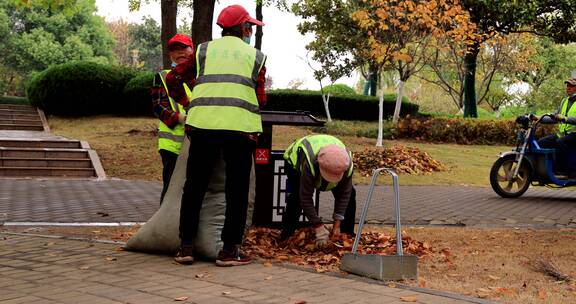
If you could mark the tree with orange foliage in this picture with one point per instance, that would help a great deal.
(401, 32)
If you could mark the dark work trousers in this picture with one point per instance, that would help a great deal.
(563, 146)
(205, 147)
(291, 216)
(168, 164)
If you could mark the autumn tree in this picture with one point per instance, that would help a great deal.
(339, 45)
(499, 57)
(400, 32)
(550, 18)
(120, 32)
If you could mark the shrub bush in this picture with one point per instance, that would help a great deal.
(339, 89)
(137, 94)
(463, 131)
(80, 88)
(357, 107)
(14, 100)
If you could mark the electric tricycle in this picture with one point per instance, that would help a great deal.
(529, 164)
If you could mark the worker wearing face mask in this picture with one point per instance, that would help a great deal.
(170, 112)
(224, 119)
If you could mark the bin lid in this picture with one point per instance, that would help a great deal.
(297, 118)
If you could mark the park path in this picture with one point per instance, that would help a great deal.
(113, 200)
(44, 270)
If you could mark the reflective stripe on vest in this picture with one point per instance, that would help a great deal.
(224, 94)
(565, 128)
(311, 145)
(170, 139)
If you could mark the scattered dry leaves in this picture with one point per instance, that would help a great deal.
(301, 249)
(400, 158)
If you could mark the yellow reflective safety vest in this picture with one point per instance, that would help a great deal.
(170, 139)
(565, 128)
(224, 96)
(311, 145)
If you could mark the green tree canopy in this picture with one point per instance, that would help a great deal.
(37, 34)
(145, 38)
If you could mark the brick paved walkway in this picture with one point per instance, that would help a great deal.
(48, 270)
(135, 201)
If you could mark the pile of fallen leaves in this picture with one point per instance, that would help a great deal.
(301, 248)
(402, 159)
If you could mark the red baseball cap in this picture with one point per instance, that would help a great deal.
(182, 39)
(235, 15)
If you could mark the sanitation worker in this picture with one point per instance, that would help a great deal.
(322, 163)
(224, 117)
(565, 139)
(172, 114)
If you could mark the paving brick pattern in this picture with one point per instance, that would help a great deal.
(43, 270)
(135, 201)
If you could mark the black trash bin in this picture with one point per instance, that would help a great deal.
(270, 200)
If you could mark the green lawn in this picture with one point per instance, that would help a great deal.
(127, 149)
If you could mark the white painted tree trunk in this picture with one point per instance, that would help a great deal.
(326, 100)
(398, 102)
(380, 119)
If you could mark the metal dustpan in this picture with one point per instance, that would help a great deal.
(380, 267)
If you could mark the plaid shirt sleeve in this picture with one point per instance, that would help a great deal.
(261, 88)
(161, 103)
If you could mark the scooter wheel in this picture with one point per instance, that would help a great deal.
(501, 177)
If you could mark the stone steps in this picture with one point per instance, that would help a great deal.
(27, 149)
(20, 117)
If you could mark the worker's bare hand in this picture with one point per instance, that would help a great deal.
(335, 233)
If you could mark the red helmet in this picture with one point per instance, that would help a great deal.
(182, 39)
(234, 15)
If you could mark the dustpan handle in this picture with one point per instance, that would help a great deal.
(375, 174)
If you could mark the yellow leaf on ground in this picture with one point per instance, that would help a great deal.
(392, 285)
(181, 298)
(267, 264)
(542, 294)
(409, 299)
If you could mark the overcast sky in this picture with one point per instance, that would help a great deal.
(281, 41)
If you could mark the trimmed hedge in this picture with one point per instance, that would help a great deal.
(353, 107)
(137, 94)
(14, 100)
(80, 88)
(463, 131)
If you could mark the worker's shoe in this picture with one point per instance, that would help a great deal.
(184, 254)
(232, 258)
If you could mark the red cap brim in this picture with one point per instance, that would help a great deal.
(254, 21)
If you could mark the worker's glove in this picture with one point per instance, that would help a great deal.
(176, 90)
(559, 117)
(181, 118)
(186, 71)
(322, 235)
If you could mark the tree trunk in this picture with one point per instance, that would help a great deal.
(470, 83)
(169, 10)
(259, 32)
(373, 81)
(380, 119)
(398, 102)
(202, 20)
(326, 100)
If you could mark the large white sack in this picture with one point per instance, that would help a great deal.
(160, 233)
